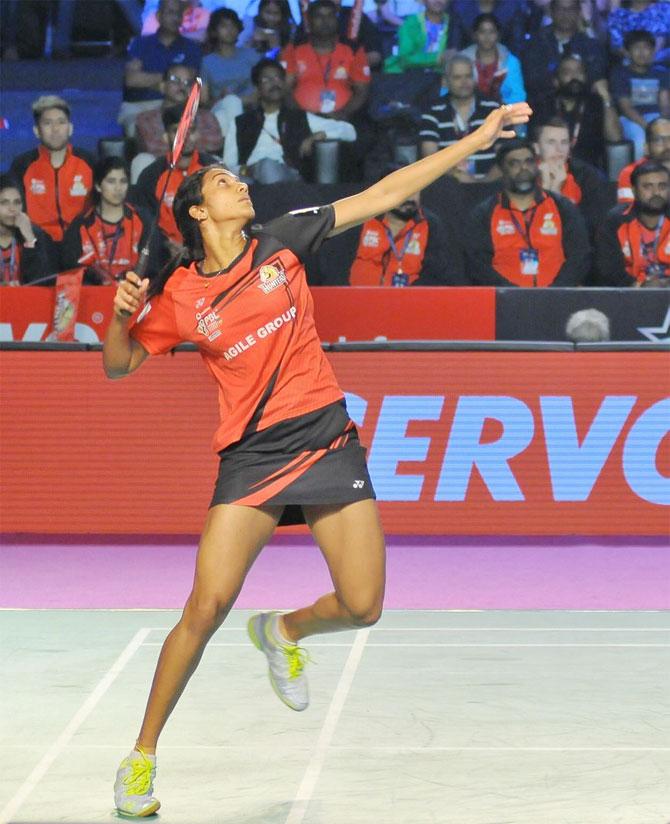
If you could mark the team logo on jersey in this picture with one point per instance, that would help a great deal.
(341, 73)
(548, 226)
(209, 323)
(37, 187)
(271, 276)
(414, 247)
(626, 249)
(78, 188)
(371, 239)
(505, 227)
(200, 302)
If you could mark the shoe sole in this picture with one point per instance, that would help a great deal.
(152, 810)
(256, 641)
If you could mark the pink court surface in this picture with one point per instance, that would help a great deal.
(516, 573)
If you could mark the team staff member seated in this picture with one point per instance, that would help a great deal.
(26, 252)
(633, 247)
(107, 236)
(56, 177)
(525, 236)
(656, 147)
(404, 247)
(151, 182)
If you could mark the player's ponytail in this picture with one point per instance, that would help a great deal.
(188, 194)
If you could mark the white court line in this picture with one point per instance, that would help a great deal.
(313, 771)
(77, 720)
(265, 750)
(479, 629)
(466, 646)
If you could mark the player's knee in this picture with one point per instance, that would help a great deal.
(364, 612)
(204, 614)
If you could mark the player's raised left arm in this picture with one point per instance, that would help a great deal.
(399, 185)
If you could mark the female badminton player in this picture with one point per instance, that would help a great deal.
(288, 448)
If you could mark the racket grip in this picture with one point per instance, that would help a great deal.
(142, 262)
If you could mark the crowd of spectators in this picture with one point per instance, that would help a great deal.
(280, 78)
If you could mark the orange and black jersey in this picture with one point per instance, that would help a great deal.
(20, 265)
(54, 197)
(254, 326)
(499, 236)
(107, 250)
(627, 252)
(149, 187)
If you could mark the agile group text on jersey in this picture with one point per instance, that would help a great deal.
(262, 332)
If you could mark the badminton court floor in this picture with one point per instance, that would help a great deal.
(430, 717)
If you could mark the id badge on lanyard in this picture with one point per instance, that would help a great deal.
(529, 258)
(327, 96)
(654, 267)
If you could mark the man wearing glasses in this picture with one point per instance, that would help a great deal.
(149, 131)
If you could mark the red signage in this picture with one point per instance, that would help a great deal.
(342, 313)
(458, 442)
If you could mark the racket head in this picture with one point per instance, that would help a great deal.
(187, 119)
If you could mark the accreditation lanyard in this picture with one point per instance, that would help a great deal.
(10, 274)
(399, 254)
(648, 250)
(325, 72)
(528, 221)
(108, 264)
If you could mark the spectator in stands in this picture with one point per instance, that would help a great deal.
(404, 247)
(427, 40)
(193, 22)
(497, 70)
(151, 182)
(107, 235)
(148, 59)
(639, 15)
(273, 142)
(578, 181)
(657, 147)
(150, 134)
(641, 90)
(270, 30)
(633, 247)
(227, 67)
(26, 252)
(56, 177)
(326, 75)
(543, 51)
(526, 236)
(510, 15)
(457, 112)
(591, 117)
(366, 36)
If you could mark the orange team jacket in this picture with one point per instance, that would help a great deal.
(54, 196)
(624, 187)
(634, 237)
(254, 326)
(376, 263)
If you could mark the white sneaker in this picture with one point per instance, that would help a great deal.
(286, 662)
(134, 785)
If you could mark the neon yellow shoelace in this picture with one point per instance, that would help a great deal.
(138, 779)
(297, 657)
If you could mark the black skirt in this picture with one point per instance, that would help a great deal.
(311, 459)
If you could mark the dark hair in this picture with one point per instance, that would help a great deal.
(555, 121)
(512, 145)
(649, 131)
(639, 36)
(100, 171)
(577, 58)
(8, 181)
(265, 63)
(174, 66)
(285, 27)
(315, 5)
(647, 168)
(172, 115)
(188, 194)
(218, 16)
(486, 17)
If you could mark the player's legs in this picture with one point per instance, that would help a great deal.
(231, 541)
(351, 539)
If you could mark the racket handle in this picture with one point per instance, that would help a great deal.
(143, 262)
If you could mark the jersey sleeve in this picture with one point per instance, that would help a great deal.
(156, 326)
(303, 230)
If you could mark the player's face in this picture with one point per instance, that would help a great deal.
(225, 197)
(553, 144)
(461, 81)
(54, 129)
(519, 171)
(486, 36)
(658, 146)
(11, 206)
(114, 187)
(652, 192)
